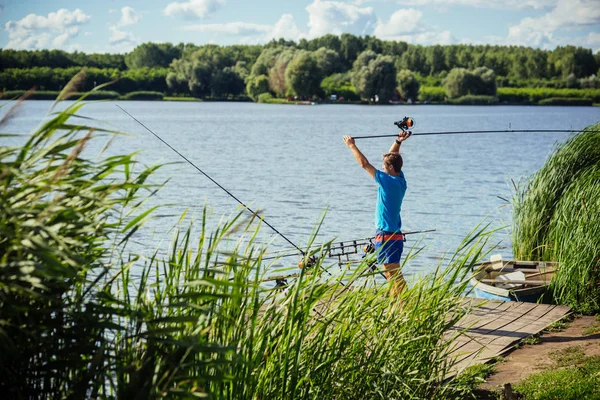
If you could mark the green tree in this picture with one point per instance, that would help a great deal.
(435, 59)
(153, 55)
(256, 85)
(328, 61)
(376, 78)
(226, 82)
(408, 85)
(302, 75)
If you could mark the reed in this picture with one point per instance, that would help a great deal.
(556, 217)
(82, 317)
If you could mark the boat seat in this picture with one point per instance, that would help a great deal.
(511, 276)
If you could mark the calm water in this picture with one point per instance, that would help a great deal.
(291, 162)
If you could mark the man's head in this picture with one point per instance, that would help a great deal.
(392, 163)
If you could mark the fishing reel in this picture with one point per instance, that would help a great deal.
(308, 262)
(405, 124)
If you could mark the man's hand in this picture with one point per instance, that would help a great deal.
(402, 136)
(349, 140)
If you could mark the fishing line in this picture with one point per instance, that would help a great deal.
(484, 131)
(216, 183)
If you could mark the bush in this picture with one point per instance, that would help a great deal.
(461, 82)
(432, 93)
(52, 95)
(143, 95)
(96, 95)
(474, 100)
(534, 95)
(256, 85)
(340, 85)
(565, 101)
(264, 97)
(37, 95)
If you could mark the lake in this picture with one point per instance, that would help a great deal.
(290, 162)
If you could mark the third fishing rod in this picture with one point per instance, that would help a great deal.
(225, 190)
(408, 123)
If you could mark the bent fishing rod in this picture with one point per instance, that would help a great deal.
(219, 185)
(408, 123)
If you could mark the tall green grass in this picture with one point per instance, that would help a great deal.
(82, 317)
(557, 217)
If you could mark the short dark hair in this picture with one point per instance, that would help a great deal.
(393, 159)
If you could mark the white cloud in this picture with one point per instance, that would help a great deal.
(119, 37)
(427, 38)
(231, 28)
(503, 4)
(128, 17)
(36, 31)
(401, 22)
(286, 28)
(194, 8)
(541, 31)
(336, 17)
(124, 39)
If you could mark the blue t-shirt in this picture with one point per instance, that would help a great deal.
(390, 192)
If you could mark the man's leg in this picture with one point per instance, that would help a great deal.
(394, 276)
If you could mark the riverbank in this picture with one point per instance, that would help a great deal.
(429, 95)
(535, 367)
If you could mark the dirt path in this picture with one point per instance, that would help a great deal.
(583, 332)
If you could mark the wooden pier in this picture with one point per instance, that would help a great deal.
(494, 327)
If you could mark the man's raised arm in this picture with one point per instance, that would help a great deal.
(362, 160)
(402, 136)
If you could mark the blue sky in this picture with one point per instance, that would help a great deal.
(117, 26)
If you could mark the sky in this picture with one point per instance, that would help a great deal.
(117, 26)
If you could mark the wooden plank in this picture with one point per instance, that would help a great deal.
(515, 282)
(487, 336)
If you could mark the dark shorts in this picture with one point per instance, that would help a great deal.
(389, 247)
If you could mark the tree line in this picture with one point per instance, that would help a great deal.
(352, 66)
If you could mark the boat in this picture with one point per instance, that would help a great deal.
(511, 280)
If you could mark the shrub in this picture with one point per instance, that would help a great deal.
(143, 95)
(565, 101)
(432, 93)
(37, 95)
(340, 85)
(264, 97)
(474, 100)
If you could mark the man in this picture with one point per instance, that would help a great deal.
(389, 241)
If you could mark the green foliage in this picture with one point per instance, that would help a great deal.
(576, 382)
(143, 96)
(530, 95)
(264, 97)
(37, 95)
(45, 78)
(565, 101)
(428, 93)
(408, 85)
(62, 219)
(340, 85)
(374, 75)
(153, 55)
(474, 100)
(461, 82)
(256, 85)
(302, 76)
(557, 217)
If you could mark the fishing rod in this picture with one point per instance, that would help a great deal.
(341, 245)
(409, 122)
(217, 183)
